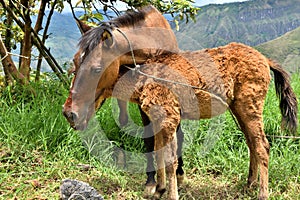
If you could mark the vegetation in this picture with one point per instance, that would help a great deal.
(18, 28)
(38, 150)
(215, 25)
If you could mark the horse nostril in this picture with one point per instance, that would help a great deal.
(73, 116)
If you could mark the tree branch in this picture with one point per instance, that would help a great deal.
(38, 68)
(9, 65)
(38, 43)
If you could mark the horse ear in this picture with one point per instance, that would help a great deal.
(107, 38)
(83, 27)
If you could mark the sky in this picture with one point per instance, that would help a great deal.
(205, 2)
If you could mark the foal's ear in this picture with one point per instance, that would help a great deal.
(107, 38)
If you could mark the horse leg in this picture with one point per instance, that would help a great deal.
(252, 126)
(179, 171)
(123, 117)
(150, 185)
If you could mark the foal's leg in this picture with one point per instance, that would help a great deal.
(166, 151)
(149, 144)
(253, 165)
(150, 170)
(171, 163)
(252, 126)
(161, 172)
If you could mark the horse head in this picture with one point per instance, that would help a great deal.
(96, 68)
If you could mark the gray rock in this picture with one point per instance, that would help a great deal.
(78, 190)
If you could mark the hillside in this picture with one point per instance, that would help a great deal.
(64, 37)
(285, 50)
(252, 22)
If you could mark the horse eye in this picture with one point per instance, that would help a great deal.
(96, 70)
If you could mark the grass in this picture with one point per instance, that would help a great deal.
(38, 150)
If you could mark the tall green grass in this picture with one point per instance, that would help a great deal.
(36, 143)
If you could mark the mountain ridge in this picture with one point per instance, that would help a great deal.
(251, 22)
(284, 49)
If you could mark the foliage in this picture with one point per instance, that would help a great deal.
(22, 22)
(38, 149)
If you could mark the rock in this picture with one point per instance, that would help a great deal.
(78, 190)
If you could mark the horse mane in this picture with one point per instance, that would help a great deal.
(132, 17)
(93, 37)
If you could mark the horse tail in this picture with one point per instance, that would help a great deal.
(288, 100)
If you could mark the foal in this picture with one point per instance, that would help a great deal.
(189, 85)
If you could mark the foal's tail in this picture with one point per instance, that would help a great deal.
(288, 100)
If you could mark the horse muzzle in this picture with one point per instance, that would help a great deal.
(74, 120)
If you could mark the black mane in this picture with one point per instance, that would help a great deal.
(130, 18)
(93, 37)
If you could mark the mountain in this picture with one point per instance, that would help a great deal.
(284, 49)
(251, 22)
(63, 39)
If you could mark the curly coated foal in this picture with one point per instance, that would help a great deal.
(190, 85)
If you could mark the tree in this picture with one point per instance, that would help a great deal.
(17, 27)
(19, 14)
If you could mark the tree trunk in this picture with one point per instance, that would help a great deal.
(7, 44)
(38, 43)
(9, 65)
(39, 21)
(27, 45)
(40, 58)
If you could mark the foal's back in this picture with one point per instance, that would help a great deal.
(217, 77)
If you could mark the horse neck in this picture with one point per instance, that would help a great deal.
(146, 43)
(149, 37)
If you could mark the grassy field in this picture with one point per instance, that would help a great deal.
(38, 150)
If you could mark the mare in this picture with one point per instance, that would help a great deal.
(189, 85)
(144, 32)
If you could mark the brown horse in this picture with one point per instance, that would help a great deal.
(147, 33)
(192, 85)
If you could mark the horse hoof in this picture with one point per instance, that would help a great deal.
(149, 190)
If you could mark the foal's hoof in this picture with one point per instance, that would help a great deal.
(263, 197)
(149, 191)
(159, 192)
(180, 179)
(252, 184)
